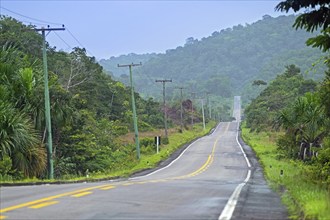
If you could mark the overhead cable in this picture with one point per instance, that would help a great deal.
(38, 20)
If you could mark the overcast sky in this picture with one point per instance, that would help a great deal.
(112, 28)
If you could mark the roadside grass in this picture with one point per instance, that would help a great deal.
(304, 198)
(147, 161)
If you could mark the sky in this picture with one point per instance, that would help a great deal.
(111, 28)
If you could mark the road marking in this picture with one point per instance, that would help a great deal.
(128, 184)
(142, 182)
(3, 217)
(10, 208)
(240, 146)
(108, 187)
(85, 191)
(41, 205)
(81, 194)
(228, 211)
(156, 171)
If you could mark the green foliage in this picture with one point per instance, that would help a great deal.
(306, 125)
(89, 110)
(5, 168)
(315, 16)
(147, 146)
(228, 61)
(325, 92)
(280, 93)
(301, 185)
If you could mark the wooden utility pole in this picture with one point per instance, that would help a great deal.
(203, 114)
(50, 163)
(192, 108)
(209, 105)
(137, 143)
(164, 103)
(181, 108)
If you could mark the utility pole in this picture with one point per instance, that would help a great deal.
(50, 163)
(203, 114)
(164, 102)
(181, 108)
(192, 109)
(209, 104)
(137, 143)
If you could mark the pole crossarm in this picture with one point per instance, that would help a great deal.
(50, 29)
(163, 80)
(130, 65)
(136, 131)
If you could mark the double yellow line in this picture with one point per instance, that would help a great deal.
(47, 200)
(86, 191)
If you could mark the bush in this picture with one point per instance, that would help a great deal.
(165, 141)
(287, 147)
(147, 146)
(321, 166)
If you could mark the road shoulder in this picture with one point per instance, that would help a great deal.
(257, 200)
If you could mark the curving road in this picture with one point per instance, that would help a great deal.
(204, 182)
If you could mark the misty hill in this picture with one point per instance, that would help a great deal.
(227, 62)
(110, 65)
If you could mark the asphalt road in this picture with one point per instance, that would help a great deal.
(204, 182)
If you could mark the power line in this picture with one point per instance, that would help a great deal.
(78, 41)
(35, 19)
(47, 23)
(32, 23)
(62, 40)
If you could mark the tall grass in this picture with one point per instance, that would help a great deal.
(304, 198)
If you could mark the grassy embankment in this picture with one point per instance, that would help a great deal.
(304, 198)
(176, 140)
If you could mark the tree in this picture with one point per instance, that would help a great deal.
(280, 93)
(20, 141)
(316, 15)
(23, 37)
(305, 123)
(259, 82)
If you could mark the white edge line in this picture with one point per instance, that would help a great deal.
(228, 211)
(240, 146)
(156, 171)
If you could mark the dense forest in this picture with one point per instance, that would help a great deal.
(227, 62)
(89, 110)
(298, 108)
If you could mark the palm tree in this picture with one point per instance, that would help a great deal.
(306, 122)
(18, 138)
(20, 142)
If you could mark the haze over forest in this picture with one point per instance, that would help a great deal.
(225, 63)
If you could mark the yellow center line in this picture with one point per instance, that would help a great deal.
(128, 184)
(41, 205)
(142, 182)
(81, 194)
(85, 191)
(10, 208)
(107, 187)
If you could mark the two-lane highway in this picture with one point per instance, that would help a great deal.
(199, 184)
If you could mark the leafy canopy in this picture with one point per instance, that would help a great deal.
(316, 15)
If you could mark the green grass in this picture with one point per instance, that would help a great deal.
(304, 198)
(176, 140)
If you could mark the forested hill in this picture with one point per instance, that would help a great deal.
(110, 65)
(227, 62)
